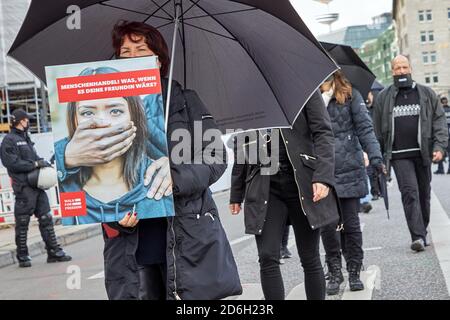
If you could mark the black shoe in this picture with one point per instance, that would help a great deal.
(335, 278)
(285, 253)
(57, 256)
(418, 245)
(354, 281)
(439, 172)
(366, 207)
(24, 262)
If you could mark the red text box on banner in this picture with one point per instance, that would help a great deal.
(111, 85)
(73, 204)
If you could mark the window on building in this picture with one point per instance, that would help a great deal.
(406, 41)
(435, 78)
(425, 58)
(433, 57)
(429, 57)
(448, 13)
(426, 37)
(421, 16)
(425, 15)
(431, 78)
(423, 37)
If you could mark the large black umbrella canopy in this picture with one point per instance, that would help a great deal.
(253, 62)
(357, 72)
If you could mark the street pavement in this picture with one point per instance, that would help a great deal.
(392, 271)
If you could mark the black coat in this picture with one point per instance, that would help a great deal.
(353, 132)
(200, 263)
(311, 150)
(432, 125)
(19, 156)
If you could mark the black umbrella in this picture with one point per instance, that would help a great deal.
(376, 86)
(357, 72)
(382, 180)
(253, 62)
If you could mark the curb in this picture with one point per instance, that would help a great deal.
(64, 238)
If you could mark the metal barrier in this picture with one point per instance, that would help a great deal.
(7, 200)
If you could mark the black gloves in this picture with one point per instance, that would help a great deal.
(42, 164)
(380, 167)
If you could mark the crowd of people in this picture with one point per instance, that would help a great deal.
(337, 148)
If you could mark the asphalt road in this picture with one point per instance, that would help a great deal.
(392, 270)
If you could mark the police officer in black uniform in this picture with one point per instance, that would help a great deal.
(19, 157)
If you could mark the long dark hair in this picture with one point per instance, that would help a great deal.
(137, 151)
(153, 38)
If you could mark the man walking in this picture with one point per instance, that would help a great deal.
(440, 169)
(410, 124)
(19, 157)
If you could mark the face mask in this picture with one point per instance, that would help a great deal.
(327, 96)
(403, 81)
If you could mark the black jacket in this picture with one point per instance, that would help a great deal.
(200, 264)
(353, 132)
(18, 155)
(310, 147)
(433, 131)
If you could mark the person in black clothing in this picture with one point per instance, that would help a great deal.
(440, 169)
(410, 124)
(19, 157)
(301, 190)
(372, 173)
(353, 134)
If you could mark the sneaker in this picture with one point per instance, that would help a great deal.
(375, 197)
(418, 245)
(281, 261)
(439, 172)
(285, 253)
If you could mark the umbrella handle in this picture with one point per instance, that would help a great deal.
(174, 42)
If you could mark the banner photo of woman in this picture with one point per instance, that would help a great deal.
(111, 99)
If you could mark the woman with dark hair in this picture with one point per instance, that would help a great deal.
(183, 257)
(353, 134)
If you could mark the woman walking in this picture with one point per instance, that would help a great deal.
(301, 190)
(353, 134)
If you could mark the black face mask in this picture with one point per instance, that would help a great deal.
(403, 81)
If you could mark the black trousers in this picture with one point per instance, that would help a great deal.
(284, 202)
(348, 240)
(152, 282)
(31, 201)
(414, 181)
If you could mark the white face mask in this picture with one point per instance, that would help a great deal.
(327, 95)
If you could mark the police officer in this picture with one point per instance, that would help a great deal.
(19, 157)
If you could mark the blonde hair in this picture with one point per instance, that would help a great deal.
(342, 87)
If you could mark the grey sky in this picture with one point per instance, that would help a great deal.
(351, 12)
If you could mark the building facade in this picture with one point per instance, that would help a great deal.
(355, 36)
(378, 54)
(18, 87)
(423, 31)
